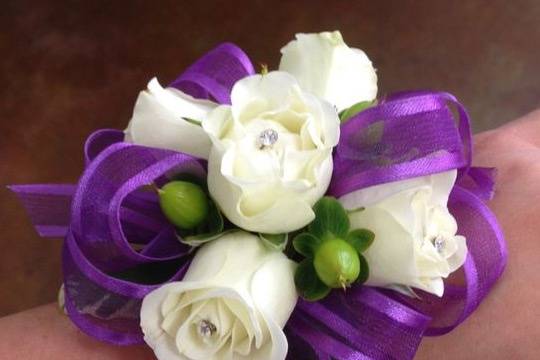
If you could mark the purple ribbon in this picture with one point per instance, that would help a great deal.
(214, 75)
(109, 213)
(409, 135)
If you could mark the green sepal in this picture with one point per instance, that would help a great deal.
(210, 230)
(193, 121)
(306, 244)
(355, 210)
(276, 242)
(364, 270)
(308, 283)
(361, 239)
(330, 219)
(348, 113)
(201, 239)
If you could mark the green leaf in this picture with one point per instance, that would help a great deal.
(373, 133)
(346, 114)
(364, 270)
(361, 239)
(306, 244)
(330, 219)
(210, 230)
(275, 241)
(308, 283)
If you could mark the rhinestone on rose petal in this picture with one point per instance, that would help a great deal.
(207, 328)
(439, 243)
(267, 138)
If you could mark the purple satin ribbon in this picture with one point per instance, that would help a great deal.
(214, 75)
(108, 214)
(409, 135)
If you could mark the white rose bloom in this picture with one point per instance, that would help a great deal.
(415, 236)
(325, 66)
(169, 119)
(232, 304)
(271, 158)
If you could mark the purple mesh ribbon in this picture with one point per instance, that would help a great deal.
(111, 214)
(214, 75)
(408, 135)
(108, 215)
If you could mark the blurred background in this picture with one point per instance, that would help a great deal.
(70, 67)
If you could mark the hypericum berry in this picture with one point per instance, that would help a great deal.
(337, 263)
(185, 204)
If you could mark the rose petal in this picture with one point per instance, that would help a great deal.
(391, 257)
(276, 276)
(458, 258)
(325, 66)
(158, 121)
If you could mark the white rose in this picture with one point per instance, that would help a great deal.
(169, 119)
(415, 236)
(271, 158)
(232, 304)
(325, 66)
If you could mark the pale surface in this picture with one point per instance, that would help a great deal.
(43, 333)
(506, 326)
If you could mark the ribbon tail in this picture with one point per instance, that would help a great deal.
(480, 181)
(48, 206)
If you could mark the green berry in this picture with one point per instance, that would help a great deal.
(337, 263)
(185, 204)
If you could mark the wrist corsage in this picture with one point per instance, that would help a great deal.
(285, 214)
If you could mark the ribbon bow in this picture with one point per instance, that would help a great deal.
(108, 215)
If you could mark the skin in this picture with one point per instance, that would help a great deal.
(505, 326)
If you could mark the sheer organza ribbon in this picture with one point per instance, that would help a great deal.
(118, 246)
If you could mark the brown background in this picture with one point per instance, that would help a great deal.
(70, 67)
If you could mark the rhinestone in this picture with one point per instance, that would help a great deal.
(207, 328)
(439, 243)
(267, 138)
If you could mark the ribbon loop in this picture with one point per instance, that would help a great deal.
(215, 73)
(105, 278)
(485, 263)
(119, 247)
(406, 136)
(362, 323)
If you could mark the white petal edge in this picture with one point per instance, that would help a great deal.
(158, 121)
